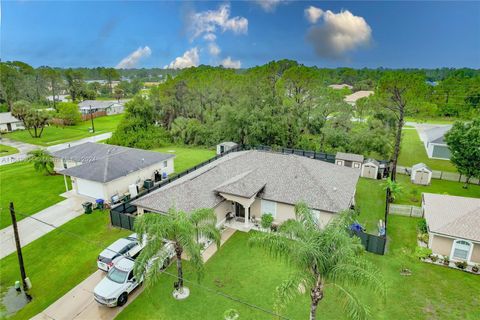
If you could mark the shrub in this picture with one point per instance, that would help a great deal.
(69, 113)
(475, 268)
(433, 257)
(422, 252)
(423, 237)
(267, 220)
(461, 264)
(446, 260)
(422, 226)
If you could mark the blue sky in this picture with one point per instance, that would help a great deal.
(247, 33)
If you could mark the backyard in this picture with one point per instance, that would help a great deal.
(187, 157)
(29, 190)
(7, 150)
(413, 152)
(55, 134)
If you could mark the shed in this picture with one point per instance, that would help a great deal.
(370, 169)
(350, 160)
(225, 146)
(9, 123)
(421, 174)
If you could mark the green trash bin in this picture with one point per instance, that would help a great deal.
(87, 207)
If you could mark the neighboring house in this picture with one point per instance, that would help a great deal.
(340, 86)
(421, 174)
(108, 106)
(225, 146)
(244, 185)
(434, 142)
(102, 171)
(352, 98)
(350, 160)
(9, 123)
(453, 226)
(59, 98)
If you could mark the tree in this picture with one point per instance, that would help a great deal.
(75, 84)
(42, 161)
(328, 258)
(400, 89)
(69, 113)
(32, 118)
(53, 77)
(182, 229)
(110, 74)
(395, 189)
(463, 140)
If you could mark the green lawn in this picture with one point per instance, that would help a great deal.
(54, 135)
(370, 200)
(249, 274)
(7, 150)
(413, 152)
(59, 261)
(187, 157)
(29, 190)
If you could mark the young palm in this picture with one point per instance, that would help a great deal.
(395, 189)
(42, 161)
(322, 259)
(183, 229)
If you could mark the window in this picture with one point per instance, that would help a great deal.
(269, 207)
(340, 162)
(356, 165)
(461, 249)
(165, 164)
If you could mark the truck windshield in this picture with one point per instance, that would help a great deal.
(117, 276)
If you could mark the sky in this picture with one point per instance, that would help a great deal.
(356, 34)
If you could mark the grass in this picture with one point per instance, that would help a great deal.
(249, 274)
(54, 135)
(413, 152)
(7, 150)
(29, 190)
(187, 157)
(370, 200)
(59, 261)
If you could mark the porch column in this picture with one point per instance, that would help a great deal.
(247, 216)
(66, 183)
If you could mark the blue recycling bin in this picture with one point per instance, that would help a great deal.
(100, 204)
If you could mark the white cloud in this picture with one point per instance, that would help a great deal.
(210, 37)
(213, 49)
(269, 5)
(338, 34)
(133, 58)
(313, 14)
(229, 63)
(210, 21)
(190, 58)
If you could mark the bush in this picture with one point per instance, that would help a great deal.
(422, 226)
(422, 252)
(475, 268)
(446, 260)
(433, 257)
(69, 113)
(134, 133)
(423, 237)
(267, 220)
(461, 264)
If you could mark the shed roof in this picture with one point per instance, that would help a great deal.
(6, 117)
(419, 166)
(104, 163)
(453, 216)
(375, 162)
(283, 178)
(349, 157)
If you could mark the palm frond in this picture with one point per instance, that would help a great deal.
(353, 307)
(296, 284)
(359, 273)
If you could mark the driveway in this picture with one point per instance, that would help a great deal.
(30, 229)
(22, 147)
(78, 303)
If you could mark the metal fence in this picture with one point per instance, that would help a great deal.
(122, 220)
(441, 175)
(406, 210)
(371, 242)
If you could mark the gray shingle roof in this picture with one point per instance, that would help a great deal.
(349, 157)
(280, 177)
(100, 104)
(453, 216)
(104, 163)
(436, 134)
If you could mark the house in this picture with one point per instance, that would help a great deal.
(421, 174)
(225, 146)
(352, 98)
(340, 86)
(102, 171)
(59, 98)
(453, 226)
(370, 169)
(9, 123)
(242, 186)
(108, 106)
(350, 160)
(434, 142)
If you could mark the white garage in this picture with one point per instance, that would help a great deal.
(421, 174)
(370, 169)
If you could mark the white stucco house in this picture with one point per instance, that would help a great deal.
(453, 226)
(242, 186)
(9, 123)
(102, 171)
(433, 139)
(109, 106)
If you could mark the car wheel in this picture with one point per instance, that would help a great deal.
(122, 299)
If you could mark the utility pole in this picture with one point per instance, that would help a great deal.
(19, 247)
(91, 118)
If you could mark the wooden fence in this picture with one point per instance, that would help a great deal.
(97, 114)
(441, 175)
(406, 210)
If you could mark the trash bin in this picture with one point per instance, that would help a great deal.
(99, 204)
(148, 183)
(87, 207)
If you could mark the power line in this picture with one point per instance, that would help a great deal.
(217, 292)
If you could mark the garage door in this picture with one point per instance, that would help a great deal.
(369, 172)
(90, 188)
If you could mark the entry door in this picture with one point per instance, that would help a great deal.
(369, 172)
(421, 177)
(239, 210)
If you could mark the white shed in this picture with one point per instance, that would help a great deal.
(370, 169)
(225, 146)
(421, 174)
(9, 123)
(350, 160)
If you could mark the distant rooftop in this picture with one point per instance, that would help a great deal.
(352, 98)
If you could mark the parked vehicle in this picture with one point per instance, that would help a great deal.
(114, 289)
(128, 246)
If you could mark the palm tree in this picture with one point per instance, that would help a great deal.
(395, 189)
(42, 161)
(328, 258)
(183, 229)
